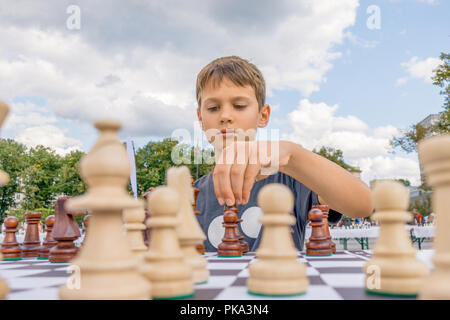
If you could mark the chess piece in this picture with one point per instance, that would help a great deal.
(230, 245)
(10, 247)
(326, 228)
(134, 225)
(242, 242)
(32, 242)
(4, 179)
(318, 244)
(164, 264)
(188, 231)
(277, 271)
(201, 246)
(393, 268)
(434, 156)
(65, 232)
(106, 267)
(86, 222)
(49, 242)
(147, 230)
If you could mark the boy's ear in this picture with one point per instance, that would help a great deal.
(199, 116)
(264, 115)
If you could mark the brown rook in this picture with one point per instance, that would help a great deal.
(65, 232)
(318, 244)
(325, 210)
(31, 242)
(230, 245)
(49, 242)
(10, 247)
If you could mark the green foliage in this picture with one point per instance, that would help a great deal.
(406, 182)
(423, 206)
(68, 181)
(409, 138)
(12, 161)
(335, 155)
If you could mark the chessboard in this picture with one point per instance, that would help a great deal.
(336, 277)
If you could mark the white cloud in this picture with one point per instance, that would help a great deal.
(420, 69)
(48, 136)
(314, 125)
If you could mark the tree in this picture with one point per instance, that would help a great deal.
(40, 176)
(409, 139)
(13, 162)
(335, 155)
(68, 180)
(405, 182)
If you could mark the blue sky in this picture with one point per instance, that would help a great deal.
(331, 80)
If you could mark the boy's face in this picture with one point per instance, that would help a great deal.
(229, 108)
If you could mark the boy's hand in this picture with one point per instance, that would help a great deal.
(241, 163)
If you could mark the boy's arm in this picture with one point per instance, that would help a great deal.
(334, 185)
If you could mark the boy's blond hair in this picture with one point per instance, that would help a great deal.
(238, 70)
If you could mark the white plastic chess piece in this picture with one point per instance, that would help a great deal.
(164, 265)
(105, 267)
(277, 271)
(393, 268)
(434, 156)
(134, 227)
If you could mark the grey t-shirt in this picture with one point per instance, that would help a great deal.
(211, 213)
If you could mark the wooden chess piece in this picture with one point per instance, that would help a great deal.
(165, 267)
(10, 247)
(134, 225)
(244, 244)
(189, 232)
(107, 268)
(393, 268)
(49, 242)
(326, 227)
(65, 232)
(32, 242)
(147, 230)
(201, 246)
(277, 272)
(434, 156)
(86, 222)
(230, 245)
(318, 244)
(4, 179)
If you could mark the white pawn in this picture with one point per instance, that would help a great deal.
(434, 156)
(164, 265)
(4, 179)
(189, 231)
(134, 226)
(393, 268)
(277, 271)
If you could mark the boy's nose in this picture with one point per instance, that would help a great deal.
(226, 117)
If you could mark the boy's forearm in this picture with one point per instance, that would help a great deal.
(335, 186)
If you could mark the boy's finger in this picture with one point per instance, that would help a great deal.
(237, 181)
(250, 175)
(225, 192)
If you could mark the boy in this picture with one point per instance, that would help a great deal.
(231, 99)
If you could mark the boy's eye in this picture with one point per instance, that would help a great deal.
(240, 106)
(213, 108)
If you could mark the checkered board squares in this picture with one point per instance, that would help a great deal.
(336, 277)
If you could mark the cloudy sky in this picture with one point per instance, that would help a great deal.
(347, 74)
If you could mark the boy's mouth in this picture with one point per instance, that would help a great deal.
(227, 133)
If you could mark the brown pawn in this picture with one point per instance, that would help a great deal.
(65, 231)
(31, 242)
(200, 247)
(326, 228)
(230, 245)
(147, 231)
(318, 244)
(49, 242)
(10, 247)
(244, 244)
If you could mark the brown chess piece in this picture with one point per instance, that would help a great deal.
(49, 242)
(200, 247)
(10, 247)
(147, 216)
(86, 222)
(326, 228)
(31, 242)
(244, 244)
(230, 245)
(318, 244)
(65, 232)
